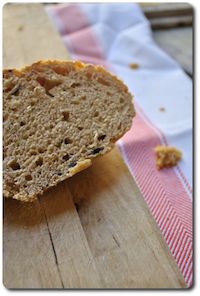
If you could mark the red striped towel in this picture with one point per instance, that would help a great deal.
(109, 34)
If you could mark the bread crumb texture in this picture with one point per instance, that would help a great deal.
(58, 116)
(167, 156)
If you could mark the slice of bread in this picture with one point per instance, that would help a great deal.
(58, 116)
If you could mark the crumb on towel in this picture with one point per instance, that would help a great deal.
(134, 66)
(167, 156)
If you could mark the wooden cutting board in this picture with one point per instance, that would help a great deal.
(91, 231)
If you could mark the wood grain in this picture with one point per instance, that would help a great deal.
(178, 43)
(28, 36)
(171, 22)
(28, 256)
(124, 240)
(160, 10)
(168, 15)
(93, 230)
(73, 255)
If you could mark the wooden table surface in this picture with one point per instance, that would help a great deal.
(93, 230)
(172, 30)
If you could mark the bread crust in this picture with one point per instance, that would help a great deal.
(77, 65)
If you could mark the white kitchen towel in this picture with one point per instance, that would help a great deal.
(115, 36)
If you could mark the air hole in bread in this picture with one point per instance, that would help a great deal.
(83, 98)
(96, 113)
(41, 149)
(67, 141)
(31, 134)
(14, 165)
(66, 157)
(80, 128)
(15, 90)
(58, 144)
(32, 102)
(72, 164)
(121, 100)
(101, 137)
(119, 126)
(33, 152)
(96, 150)
(49, 94)
(5, 116)
(75, 84)
(22, 123)
(39, 161)
(28, 177)
(25, 137)
(75, 102)
(65, 115)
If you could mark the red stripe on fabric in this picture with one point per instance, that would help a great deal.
(70, 18)
(174, 233)
(166, 223)
(83, 43)
(155, 203)
(172, 209)
(184, 179)
(132, 143)
(188, 250)
(185, 270)
(164, 140)
(80, 39)
(189, 274)
(176, 242)
(164, 218)
(160, 206)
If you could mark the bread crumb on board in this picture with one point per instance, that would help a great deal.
(162, 109)
(134, 66)
(167, 156)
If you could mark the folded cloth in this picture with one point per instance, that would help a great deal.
(118, 36)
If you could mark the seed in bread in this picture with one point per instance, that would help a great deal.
(58, 116)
